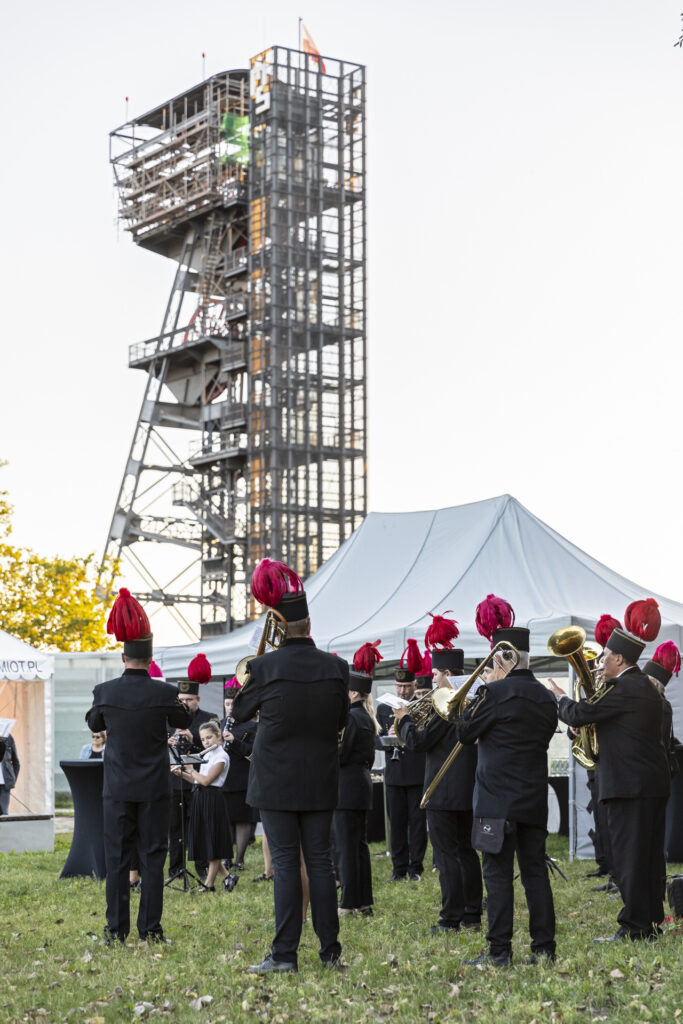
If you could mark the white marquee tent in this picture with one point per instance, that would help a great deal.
(27, 695)
(397, 567)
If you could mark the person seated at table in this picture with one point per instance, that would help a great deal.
(95, 749)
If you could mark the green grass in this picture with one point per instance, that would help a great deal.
(54, 967)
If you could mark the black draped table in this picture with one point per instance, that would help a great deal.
(86, 856)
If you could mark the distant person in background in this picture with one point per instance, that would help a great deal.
(9, 770)
(95, 749)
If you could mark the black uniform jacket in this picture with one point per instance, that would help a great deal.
(239, 750)
(454, 792)
(135, 711)
(356, 758)
(10, 761)
(514, 720)
(628, 715)
(199, 718)
(301, 695)
(408, 769)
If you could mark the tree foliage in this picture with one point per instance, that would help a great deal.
(50, 603)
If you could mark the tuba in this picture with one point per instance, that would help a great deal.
(570, 643)
(274, 632)
(450, 706)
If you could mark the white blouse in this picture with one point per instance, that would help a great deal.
(212, 756)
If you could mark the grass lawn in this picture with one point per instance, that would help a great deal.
(55, 968)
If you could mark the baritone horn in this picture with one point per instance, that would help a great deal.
(570, 643)
(451, 705)
(274, 632)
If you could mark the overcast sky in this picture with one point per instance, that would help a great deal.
(525, 231)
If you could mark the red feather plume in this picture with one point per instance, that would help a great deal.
(155, 672)
(493, 613)
(426, 664)
(366, 657)
(413, 657)
(440, 632)
(271, 580)
(668, 656)
(127, 618)
(199, 669)
(642, 619)
(232, 684)
(604, 628)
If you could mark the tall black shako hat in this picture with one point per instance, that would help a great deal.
(664, 662)
(129, 623)
(364, 661)
(518, 636)
(452, 660)
(277, 586)
(198, 674)
(623, 643)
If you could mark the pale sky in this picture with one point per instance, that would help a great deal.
(525, 231)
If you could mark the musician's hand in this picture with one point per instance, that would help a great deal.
(176, 769)
(400, 713)
(574, 732)
(555, 689)
(186, 733)
(228, 736)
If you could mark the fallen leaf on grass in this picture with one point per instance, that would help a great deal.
(616, 973)
(454, 991)
(87, 957)
(201, 1001)
(142, 1009)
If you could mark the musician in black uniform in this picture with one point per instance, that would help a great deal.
(634, 779)
(403, 780)
(356, 758)
(185, 741)
(449, 812)
(238, 740)
(135, 710)
(513, 718)
(301, 695)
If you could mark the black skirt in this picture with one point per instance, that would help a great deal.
(240, 811)
(209, 830)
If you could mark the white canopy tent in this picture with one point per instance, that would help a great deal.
(397, 567)
(27, 695)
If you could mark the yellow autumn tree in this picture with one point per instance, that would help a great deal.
(50, 603)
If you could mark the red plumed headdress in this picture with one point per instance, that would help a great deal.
(642, 619)
(440, 632)
(199, 669)
(271, 580)
(366, 657)
(155, 672)
(232, 684)
(604, 627)
(668, 656)
(413, 658)
(426, 663)
(127, 618)
(493, 613)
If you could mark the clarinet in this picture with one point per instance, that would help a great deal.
(229, 722)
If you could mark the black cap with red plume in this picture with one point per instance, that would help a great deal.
(664, 662)
(364, 661)
(604, 628)
(129, 623)
(642, 619)
(198, 673)
(493, 613)
(271, 580)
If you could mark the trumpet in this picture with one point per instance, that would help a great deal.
(451, 706)
(570, 643)
(274, 632)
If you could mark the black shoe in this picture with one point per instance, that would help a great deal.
(335, 964)
(397, 876)
(414, 877)
(365, 911)
(238, 865)
(110, 937)
(472, 926)
(490, 960)
(598, 873)
(227, 863)
(619, 936)
(206, 888)
(605, 887)
(269, 965)
(436, 928)
(155, 937)
(136, 886)
(263, 877)
(230, 882)
(541, 956)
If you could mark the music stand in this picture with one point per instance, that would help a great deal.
(184, 875)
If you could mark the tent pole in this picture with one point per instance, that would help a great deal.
(572, 784)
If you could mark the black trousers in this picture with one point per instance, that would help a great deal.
(407, 827)
(128, 826)
(289, 832)
(458, 864)
(528, 841)
(595, 833)
(353, 858)
(637, 833)
(602, 825)
(176, 824)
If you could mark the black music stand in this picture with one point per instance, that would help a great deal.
(184, 876)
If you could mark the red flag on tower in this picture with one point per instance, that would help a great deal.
(308, 46)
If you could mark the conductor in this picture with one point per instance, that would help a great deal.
(301, 696)
(135, 710)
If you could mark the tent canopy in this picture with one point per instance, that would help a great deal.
(18, 661)
(397, 567)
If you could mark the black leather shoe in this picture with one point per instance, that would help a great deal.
(598, 873)
(269, 966)
(110, 937)
(238, 865)
(472, 926)
(397, 877)
(263, 877)
(541, 958)
(619, 936)
(206, 888)
(155, 937)
(230, 882)
(414, 877)
(605, 887)
(436, 928)
(336, 964)
(365, 911)
(489, 960)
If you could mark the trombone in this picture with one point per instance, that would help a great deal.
(450, 706)
(274, 632)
